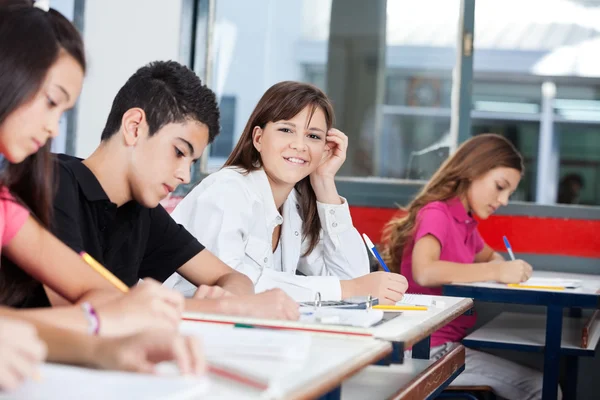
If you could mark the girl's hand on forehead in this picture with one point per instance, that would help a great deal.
(336, 146)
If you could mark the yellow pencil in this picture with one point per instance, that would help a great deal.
(106, 274)
(400, 308)
(518, 285)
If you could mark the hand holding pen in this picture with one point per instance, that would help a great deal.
(388, 287)
(514, 271)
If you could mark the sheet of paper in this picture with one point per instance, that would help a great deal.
(63, 382)
(226, 342)
(340, 316)
(420, 300)
(556, 282)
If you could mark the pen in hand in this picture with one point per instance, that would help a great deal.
(509, 248)
(375, 253)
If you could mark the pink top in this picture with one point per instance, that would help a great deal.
(456, 230)
(12, 216)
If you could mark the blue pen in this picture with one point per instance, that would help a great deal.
(375, 253)
(509, 248)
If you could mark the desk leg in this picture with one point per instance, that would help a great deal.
(575, 312)
(335, 394)
(421, 350)
(570, 391)
(397, 356)
(552, 352)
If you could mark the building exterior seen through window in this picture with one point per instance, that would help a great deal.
(388, 67)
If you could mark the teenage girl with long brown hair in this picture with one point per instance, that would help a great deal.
(436, 242)
(273, 212)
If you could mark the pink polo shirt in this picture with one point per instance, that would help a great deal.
(456, 230)
(12, 216)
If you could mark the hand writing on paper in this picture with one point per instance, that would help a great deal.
(21, 352)
(387, 286)
(147, 305)
(141, 352)
(512, 271)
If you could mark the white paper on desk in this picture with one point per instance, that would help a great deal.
(556, 282)
(223, 342)
(63, 382)
(341, 316)
(268, 372)
(420, 300)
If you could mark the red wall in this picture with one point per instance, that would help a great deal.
(534, 235)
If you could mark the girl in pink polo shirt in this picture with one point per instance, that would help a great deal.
(437, 243)
(41, 73)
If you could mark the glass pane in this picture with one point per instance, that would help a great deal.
(387, 66)
(410, 147)
(59, 144)
(579, 180)
(516, 52)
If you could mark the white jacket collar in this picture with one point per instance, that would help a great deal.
(261, 183)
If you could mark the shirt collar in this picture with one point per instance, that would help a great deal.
(457, 210)
(261, 183)
(86, 179)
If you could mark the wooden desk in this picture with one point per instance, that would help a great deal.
(414, 379)
(555, 301)
(331, 360)
(404, 329)
(413, 328)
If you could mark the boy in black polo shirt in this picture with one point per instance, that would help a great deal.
(161, 121)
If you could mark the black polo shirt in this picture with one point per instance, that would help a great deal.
(131, 241)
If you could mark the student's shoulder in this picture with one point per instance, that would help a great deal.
(65, 166)
(228, 174)
(233, 181)
(435, 209)
(7, 200)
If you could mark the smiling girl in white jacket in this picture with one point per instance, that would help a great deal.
(273, 212)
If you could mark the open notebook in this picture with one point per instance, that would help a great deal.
(253, 358)
(63, 382)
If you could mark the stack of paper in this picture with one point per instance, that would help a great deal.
(420, 300)
(341, 316)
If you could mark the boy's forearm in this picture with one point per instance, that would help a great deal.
(236, 283)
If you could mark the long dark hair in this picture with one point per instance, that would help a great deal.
(30, 42)
(282, 101)
(473, 159)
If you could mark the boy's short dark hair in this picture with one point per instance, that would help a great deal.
(168, 92)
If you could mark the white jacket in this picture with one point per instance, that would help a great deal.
(233, 215)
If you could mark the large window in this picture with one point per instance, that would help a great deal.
(517, 55)
(388, 66)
